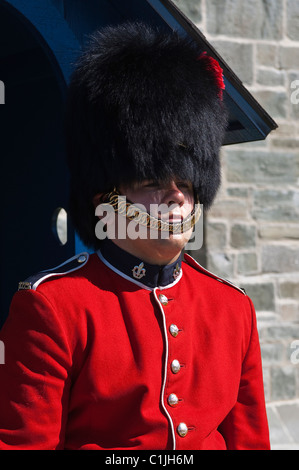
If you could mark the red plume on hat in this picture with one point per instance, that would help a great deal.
(211, 65)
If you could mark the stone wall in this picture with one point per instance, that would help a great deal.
(252, 232)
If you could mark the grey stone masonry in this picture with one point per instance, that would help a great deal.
(252, 230)
(283, 418)
(256, 19)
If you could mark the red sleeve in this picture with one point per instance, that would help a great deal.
(246, 426)
(34, 379)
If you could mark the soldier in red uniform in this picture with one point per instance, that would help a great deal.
(136, 346)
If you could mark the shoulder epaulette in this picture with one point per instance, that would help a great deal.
(203, 270)
(72, 264)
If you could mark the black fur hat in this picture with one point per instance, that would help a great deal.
(142, 104)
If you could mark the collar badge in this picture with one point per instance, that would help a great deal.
(176, 271)
(139, 271)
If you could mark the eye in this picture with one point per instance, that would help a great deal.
(186, 185)
(151, 184)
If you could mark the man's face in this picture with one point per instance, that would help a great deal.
(177, 200)
(174, 197)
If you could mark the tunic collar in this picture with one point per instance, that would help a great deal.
(150, 275)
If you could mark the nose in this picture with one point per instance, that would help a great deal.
(173, 195)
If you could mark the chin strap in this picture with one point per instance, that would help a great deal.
(132, 212)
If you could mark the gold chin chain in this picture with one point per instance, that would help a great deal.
(133, 212)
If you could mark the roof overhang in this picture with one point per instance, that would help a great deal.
(248, 121)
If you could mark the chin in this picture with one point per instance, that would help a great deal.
(157, 249)
(173, 244)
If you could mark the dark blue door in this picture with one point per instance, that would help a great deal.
(34, 180)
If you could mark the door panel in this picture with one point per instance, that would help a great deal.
(34, 178)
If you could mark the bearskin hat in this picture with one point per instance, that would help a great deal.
(143, 103)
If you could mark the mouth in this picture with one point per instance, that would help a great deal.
(173, 219)
(173, 224)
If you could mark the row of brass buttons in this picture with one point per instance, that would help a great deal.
(182, 428)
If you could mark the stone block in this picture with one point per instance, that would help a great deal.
(272, 353)
(292, 29)
(289, 310)
(251, 146)
(278, 434)
(229, 209)
(276, 205)
(279, 231)
(289, 414)
(283, 383)
(271, 77)
(238, 192)
(262, 295)
(261, 167)
(280, 330)
(288, 289)
(288, 57)
(243, 236)
(285, 130)
(257, 19)
(280, 259)
(247, 263)
(290, 143)
(266, 54)
(216, 235)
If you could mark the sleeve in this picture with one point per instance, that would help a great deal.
(246, 426)
(34, 379)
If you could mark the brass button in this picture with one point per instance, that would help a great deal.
(163, 299)
(182, 429)
(81, 259)
(174, 331)
(175, 366)
(172, 399)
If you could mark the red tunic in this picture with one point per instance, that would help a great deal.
(89, 364)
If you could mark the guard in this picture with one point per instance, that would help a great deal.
(136, 346)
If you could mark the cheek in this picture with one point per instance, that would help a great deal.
(190, 199)
(189, 203)
(145, 200)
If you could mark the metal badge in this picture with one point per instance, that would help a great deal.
(139, 271)
(176, 271)
(24, 285)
